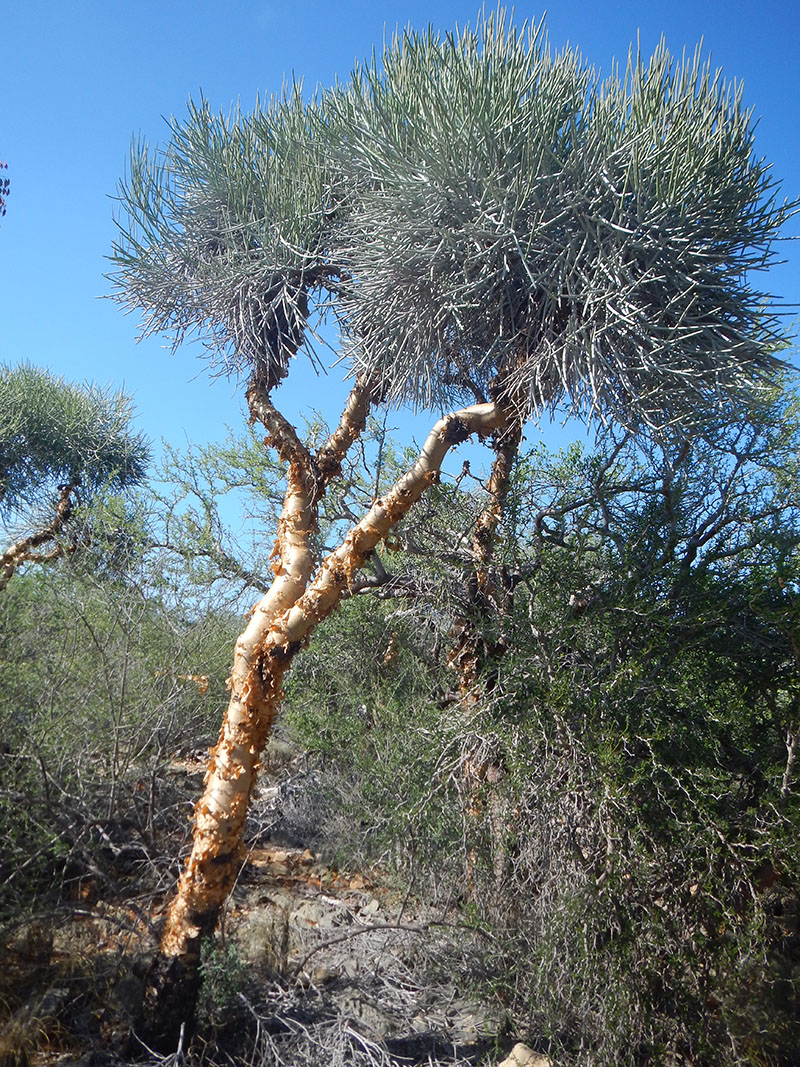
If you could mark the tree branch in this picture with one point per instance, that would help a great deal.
(24, 551)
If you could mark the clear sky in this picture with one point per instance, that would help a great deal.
(78, 79)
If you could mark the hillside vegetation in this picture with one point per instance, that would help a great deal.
(608, 830)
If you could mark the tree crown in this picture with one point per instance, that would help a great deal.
(53, 431)
(487, 218)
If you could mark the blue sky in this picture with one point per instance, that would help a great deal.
(79, 79)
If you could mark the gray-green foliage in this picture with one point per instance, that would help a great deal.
(226, 232)
(52, 431)
(480, 214)
(586, 238)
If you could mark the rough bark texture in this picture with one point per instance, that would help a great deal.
(24, 551)
(336, 574)
(485, 596)
(487, 599)
(279, 627)
(255, 687)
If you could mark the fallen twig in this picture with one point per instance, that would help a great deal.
(411, 928)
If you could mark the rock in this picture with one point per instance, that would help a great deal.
(323, 975)
(522, 1056)
(279, 754)
(365, 1014)
(263, 939)
(320, 914)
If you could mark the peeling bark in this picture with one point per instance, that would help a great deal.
(279, 627)
(24, 551)
(484, 594)
(220, 813)
(351, 426)
(337, 573)
(255, 687)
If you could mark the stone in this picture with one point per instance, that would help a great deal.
(263, 939)
(366, 1015)
(323, 975)
(522, 1056)
(320, 914)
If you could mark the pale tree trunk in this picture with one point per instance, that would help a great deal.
(213, 863)
(280, 626)
(220, 814)
(25, 550)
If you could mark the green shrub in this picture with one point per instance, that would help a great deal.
(100, 688)
(222, 978)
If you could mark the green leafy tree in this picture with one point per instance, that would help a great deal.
(492, 226)
(644, 722)
(103, 683)
(635, 843)
(62, 447)
(204, 485)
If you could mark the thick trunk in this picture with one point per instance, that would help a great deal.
(212, 865)
(280, 626)
(219, 815)
(255, 692)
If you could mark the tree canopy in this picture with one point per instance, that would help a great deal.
(63, 448)
(481, 214)
(491, 225)
(52, 431)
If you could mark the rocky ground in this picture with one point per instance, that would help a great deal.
(363, 956)
(314, 966)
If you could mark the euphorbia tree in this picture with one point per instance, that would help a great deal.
(496, 231)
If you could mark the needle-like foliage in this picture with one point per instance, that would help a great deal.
(521, 220)
(52, 431)
(486, 217)
(225, 232)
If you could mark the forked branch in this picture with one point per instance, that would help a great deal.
(24, 550)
